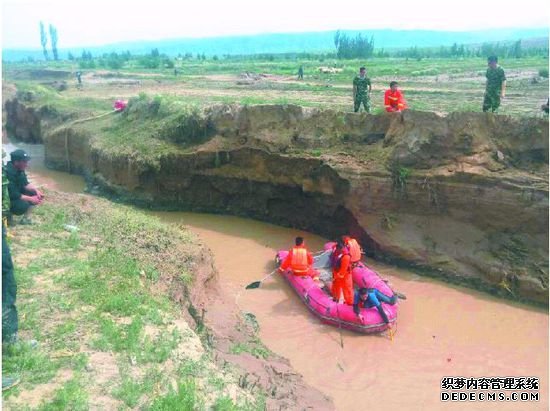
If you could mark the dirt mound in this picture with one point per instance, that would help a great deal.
(247, 78)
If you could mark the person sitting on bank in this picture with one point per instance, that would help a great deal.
(299, 260)
(394, 101)
(342, 282)
(371, 297)
(354, 249)
(23, 195)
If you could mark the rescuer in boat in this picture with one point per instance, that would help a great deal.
(355, 250)
(371, 297)
(299, 260)
(342, 281)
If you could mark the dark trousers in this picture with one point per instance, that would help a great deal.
(376, 298)
(20, 207)
(9, 291)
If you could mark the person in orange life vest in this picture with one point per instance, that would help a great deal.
(354, 249)
(341, 273)
(394, 101)
(299, 260)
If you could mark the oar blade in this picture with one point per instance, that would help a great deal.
(255, 284)
(400, 295)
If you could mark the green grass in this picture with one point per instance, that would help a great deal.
(32, 365)
(55, 102)
(72, 396)
(254, 347)
(129, 391)
(184, 398)
(225, 404)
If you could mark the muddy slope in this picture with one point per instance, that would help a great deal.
(463, 197)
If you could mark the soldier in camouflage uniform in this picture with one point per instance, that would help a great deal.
(495, 88)
(361, 91)
(5, 193)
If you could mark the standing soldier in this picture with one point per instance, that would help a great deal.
(5, 194)
(301, 73)
(79, 79)
(495, 88)
(361, 91)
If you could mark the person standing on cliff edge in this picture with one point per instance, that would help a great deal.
(361, 91)
(495, 88)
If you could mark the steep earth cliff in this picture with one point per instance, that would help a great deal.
(463, 197)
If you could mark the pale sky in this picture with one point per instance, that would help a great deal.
(96, 22)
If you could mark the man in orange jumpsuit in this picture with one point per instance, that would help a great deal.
(393, 99)
(354, 249)
(341, 272)
(299, 260)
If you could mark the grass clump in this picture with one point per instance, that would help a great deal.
(72, 396)
(187, 127)
(31, 364)
(184, 398)
(254, 347)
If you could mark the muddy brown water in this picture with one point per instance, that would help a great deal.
(442, 330)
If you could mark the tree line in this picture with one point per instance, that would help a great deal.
(502, 49)
(359, 46)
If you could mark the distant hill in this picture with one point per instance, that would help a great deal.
(313, 42)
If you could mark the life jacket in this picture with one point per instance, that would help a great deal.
(354, 250)
(336, 258)
(298, 263)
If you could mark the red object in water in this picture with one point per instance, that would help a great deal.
(320, 303)
(120, 105)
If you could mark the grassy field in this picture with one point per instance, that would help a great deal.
(439, 85)
(109, 336)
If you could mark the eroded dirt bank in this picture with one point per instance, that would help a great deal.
(463, 197)
(214, 339)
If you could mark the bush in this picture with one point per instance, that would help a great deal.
(167, 63)
(86, 64)
(149, 62)
(187, 127)
(114, 63)
(142, 106)
(425, 72)
(543, 72)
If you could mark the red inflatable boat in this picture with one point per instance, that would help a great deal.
(319, 301)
